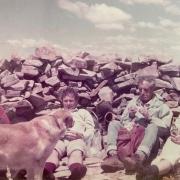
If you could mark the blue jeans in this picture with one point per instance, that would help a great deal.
(112, 135)
(152, 134)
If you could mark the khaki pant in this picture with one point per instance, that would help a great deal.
(66, 147)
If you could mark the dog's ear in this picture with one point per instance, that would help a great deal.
(69, 121)
(65, 116)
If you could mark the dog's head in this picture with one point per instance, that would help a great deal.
(63, 116)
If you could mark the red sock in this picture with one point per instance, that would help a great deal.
(49, 168)
(77, 171)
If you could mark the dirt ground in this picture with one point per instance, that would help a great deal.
(94, 171)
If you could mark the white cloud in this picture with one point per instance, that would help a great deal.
(146, 2)
(166, 27)
(101, 15)
(167, 23)
(110, 26)
(146, 25)
(169, 6)
(26, 43)
(173, 9)
(176, 48)
(135, 46)
(172, 27)
(26, 46)
(33, 43)
(78, 8)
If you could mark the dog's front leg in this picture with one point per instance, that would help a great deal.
(35, 173)
(30, 173)
(38, 173)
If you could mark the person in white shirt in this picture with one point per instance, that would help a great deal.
(168, 159)
(73, 145)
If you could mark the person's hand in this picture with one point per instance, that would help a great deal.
(175, 138)
(132, 111)
(144, 112)
(73, 135)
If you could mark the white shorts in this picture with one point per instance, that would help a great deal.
(170, 152)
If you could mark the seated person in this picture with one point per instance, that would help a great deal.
(148, 106)
(73, 144)
(167, 160)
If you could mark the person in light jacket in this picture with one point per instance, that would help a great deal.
(148, 106)
(73, 145)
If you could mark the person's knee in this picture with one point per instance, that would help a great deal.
(114, 125)
(76, 154)
(153, 128)
(54, 157)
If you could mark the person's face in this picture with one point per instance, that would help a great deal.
(145, 91)
(69, 102)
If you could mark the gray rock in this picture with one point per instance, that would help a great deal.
(125, 77)
(20, 86)
(176, 83)
(37, 101)
(30, 71)
(33, 62)
(9, 80)
(12, 93)
(52, 81)
(163, 84)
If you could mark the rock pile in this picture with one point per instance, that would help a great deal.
(30, 85)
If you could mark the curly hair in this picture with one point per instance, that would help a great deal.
(69, 90)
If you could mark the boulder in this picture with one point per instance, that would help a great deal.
(33, 62)
(52, 81)
(176, 83)
(30, 71)
(9, 80)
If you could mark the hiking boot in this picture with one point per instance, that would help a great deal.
(112, 164)
(78, 171)
(177, 171)
(148, 173)
(147, 177)
(133, 163)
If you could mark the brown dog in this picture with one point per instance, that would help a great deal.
(27, 145)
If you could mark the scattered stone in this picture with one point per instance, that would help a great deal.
(170, 69)
(33, 62)
(12, 93)
(20, 86)
(176, 81)
(163, 84)
(37, 101)
(125, 77)
(52, 81)
(46, 53)
(149, 71)
(9, 80)
(30, 71)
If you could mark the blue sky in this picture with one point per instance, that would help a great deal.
(126, 27)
